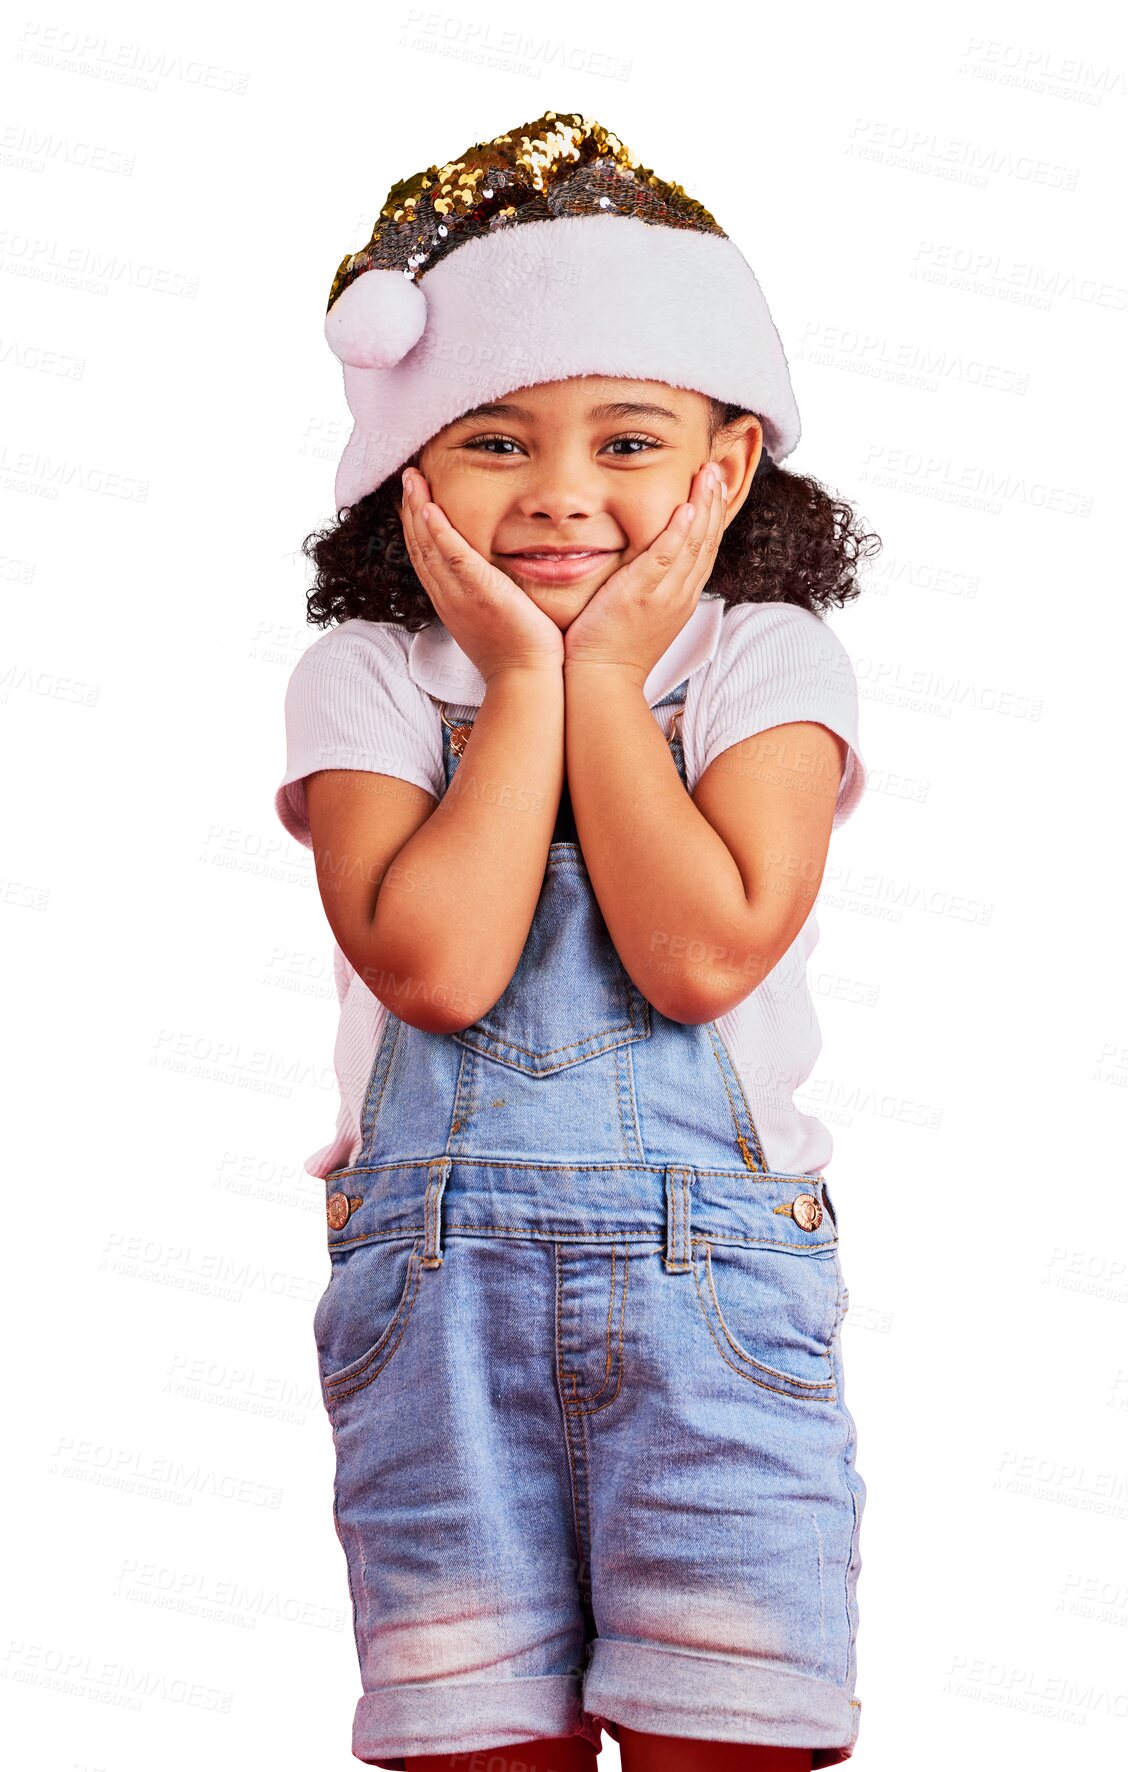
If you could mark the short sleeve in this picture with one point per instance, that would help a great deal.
(350, 704)
(775, 663)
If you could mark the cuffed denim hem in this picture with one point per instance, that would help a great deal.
(464, 1716)
(717, 1698)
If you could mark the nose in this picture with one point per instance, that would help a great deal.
(558, 490)
(557, 508)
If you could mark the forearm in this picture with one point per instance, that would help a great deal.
(456, 907)
(669, 890)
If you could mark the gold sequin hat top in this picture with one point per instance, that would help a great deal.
(544, 253)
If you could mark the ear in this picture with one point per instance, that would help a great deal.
(740, 459)
(376, 320)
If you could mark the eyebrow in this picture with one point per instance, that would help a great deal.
(611, 409)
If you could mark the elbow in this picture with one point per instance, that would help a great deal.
(699, 994)
(680, 999)
(434, 1006)
(425, 993)
(425, 1006)
(690, 1009)
(443, 1017)
(412, 988)
(417, 1014)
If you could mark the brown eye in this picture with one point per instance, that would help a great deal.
(649, 442)
(479, 443)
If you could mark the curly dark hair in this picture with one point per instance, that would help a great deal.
(791, 541)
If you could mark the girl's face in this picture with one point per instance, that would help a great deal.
(590, 462)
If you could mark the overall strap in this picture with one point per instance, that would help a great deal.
(454, 734)
(457, 732)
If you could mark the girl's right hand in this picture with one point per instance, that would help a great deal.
(497, 626)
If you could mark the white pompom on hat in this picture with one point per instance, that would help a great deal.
(546, 253)
(377, 320)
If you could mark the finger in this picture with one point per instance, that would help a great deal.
(452, 549)
(421, 532)
(651, 568)
(674, 555)
(424, 554)
(408, 518)
(690, 568)
(453, 563)
(714, 529)
(414, 491)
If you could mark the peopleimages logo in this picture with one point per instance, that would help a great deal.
(982, 271)
(952, 157)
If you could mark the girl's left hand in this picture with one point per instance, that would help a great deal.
(637, 615)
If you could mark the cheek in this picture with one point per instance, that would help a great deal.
(647, 516)
(472, 508)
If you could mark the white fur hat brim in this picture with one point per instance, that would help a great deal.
(543, 301)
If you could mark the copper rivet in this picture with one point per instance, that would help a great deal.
(337, 1211)
(807, 1212)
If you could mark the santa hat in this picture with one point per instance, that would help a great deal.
(545, 253)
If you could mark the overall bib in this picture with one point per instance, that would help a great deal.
(580, 1352)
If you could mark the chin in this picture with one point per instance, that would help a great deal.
(562, 617)
(564, 611)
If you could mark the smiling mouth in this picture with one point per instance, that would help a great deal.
(558, 553)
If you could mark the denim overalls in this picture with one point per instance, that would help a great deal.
(580, 1353)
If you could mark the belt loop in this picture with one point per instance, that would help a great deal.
(438, 1174)
(679, 1257)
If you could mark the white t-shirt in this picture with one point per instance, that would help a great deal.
(360, 698)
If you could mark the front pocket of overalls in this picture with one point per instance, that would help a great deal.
(556, 1012)
(363, 1313)
(772, 1314)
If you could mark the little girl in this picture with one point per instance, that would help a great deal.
(569, 761)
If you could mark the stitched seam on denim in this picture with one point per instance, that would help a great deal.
(584, 1468)
(725, 1080)
(566, 1323)
(616, 1027)
(596, 1407)
(411, 1235)
(494, 1049)
(468, 1093)
(576, 1427)
(474, 1086)
(462, 1104)
(342, 1383)
(629, 1129)
(819, 1385)
(727, 1068)
(820, 1389)
(389, 1037)
(608, 1351)
(576, 1480)
(579, 1400)
(574, 1234)
(355, 1368)
(597, 1167)
(617, 1086)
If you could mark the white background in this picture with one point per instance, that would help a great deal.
(933, 204)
